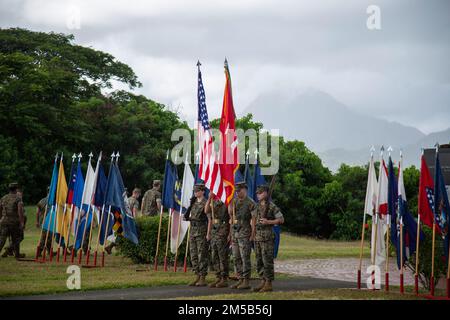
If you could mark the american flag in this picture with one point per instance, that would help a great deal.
(209, 169)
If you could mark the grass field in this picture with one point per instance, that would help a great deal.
(23, 278)
(319, 294)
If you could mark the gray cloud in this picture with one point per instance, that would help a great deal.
(399, 73)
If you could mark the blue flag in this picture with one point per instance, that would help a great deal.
(258, 179)
(116, 198)
(170, 179)
(51, 201)
(441, 204)
(100, 188)
(249, 181)
(392, 207)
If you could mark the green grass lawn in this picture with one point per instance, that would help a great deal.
(23, 278)
(294, 247)
(319, 294)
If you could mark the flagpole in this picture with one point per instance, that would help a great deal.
(160, 220)
(43, 221)
(388, 221)
(179, 220)
(93, 205)
(77, 220)
(434, 233)
(169, 224)
(377, 217)
(64, 218)
(98, 235)
(80, 251)
(117, 155)
(56, 212)
(105, 236)
(363, 228)
(187, 248)
(402, 289)
(71, 218)
(416, 275)
(60, 236)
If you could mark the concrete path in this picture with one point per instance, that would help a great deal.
(168, 292)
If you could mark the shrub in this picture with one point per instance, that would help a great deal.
(440, 266)
(145, 250)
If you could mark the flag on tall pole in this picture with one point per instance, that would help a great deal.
(378, 240)
(229, 145)
(441, 205)
(369, 209)
(426, 195)
(209, 168)
(61, 197)
(179, 226)
(77, 200)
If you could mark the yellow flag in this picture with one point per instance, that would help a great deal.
(61, 197)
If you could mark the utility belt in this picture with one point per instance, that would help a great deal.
(260, 226)
(237, 225)
(198, 223)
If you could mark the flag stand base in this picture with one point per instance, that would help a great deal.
(359, 279)
(416, 284)
(432, 286)
(402, 287)
(387, 282)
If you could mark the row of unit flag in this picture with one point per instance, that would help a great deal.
(72, 208)
(392, 221)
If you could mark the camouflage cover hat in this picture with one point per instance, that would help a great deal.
(240, 185)
(261, 188)
(156, 182)
(13, 185)
(199, 187)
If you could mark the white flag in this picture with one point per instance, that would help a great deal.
(380, 218)
(187, 190)
(371, 190)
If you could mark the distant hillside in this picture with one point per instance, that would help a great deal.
(326, 124)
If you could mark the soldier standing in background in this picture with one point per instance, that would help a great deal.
(200, 231)
(10, 250)
(151, 201)
(266, 215)
(133, 202)
(11, 219)
(218, 219)
(242, 232)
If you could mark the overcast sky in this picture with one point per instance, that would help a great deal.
(399, 73)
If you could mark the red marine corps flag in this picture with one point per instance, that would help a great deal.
(228, 152)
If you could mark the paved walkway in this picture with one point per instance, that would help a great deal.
(344, 269)
(168, 292)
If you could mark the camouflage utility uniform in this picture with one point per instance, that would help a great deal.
(198, 246)
(10, 222)
(240, 233)
(219, 238)
(134, 204)
(264, 239)
(150, 202)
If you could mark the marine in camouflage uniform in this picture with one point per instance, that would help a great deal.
(11, 219)
(9, 251)
(241, 235)
(198, 246)
(133, 201)
(151, 201)
(219, 220)
(265, 216)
